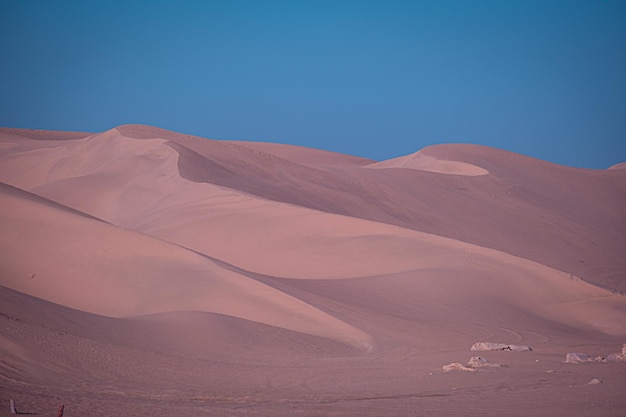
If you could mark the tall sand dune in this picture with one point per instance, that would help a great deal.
(561, 217)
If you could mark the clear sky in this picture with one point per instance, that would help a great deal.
(377, 79)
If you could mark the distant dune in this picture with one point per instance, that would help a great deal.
(145, 271)
(424, 162)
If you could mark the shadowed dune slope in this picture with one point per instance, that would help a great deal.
(81, 345)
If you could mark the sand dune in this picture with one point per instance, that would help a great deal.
(524, 197)
(95, 267)
(425, 162)
(145, 270)
(128, 182)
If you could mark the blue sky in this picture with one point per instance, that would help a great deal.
(376, 79)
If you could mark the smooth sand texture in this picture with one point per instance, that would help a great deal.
(146, 272)
(424, 162)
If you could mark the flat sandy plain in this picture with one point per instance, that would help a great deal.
(145, 272)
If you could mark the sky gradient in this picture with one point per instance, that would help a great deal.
(377, 79)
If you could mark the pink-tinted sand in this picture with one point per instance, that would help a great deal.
(145, 272)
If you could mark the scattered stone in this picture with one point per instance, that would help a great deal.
(577, 357)
(474, 363)
(455, 366)
(617, 357)
(478, 362)
(594, 381)
(485, 346)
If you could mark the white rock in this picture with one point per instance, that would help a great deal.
(594, 381)
(478, 362)
(616, 357)
(455, 366)
(577, 357)
(484, 346)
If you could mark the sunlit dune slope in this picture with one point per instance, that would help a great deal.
(421, 161)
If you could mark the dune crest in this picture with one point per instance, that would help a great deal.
(424, 162)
